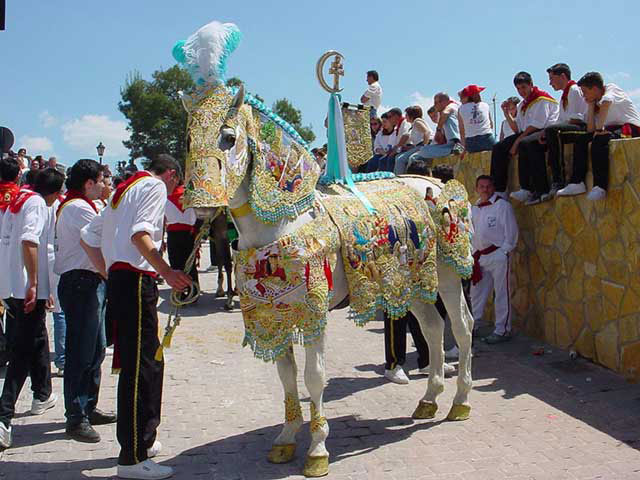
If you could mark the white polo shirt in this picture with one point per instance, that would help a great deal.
(374, 94)
(622, 109)
(576, 106)
(506, 129)
(541, 113)
(494, 224)
(140, 209)
(34, 222)
(176, 216)
(385, 142)
(72, 218)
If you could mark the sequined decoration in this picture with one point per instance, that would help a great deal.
(357, 134)
(453, 223)
(284, 288)
(292, 409)
(317, 422)
(389, 257)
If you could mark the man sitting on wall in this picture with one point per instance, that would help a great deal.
(611, 114)
(537, 111)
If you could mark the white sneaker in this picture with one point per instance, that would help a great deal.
(154, 450)
(147, 470)
(572, 189)
(108, 351)
(452, 354)
(5, 436)
(449, 370)
(521, 195)
(39, 407)
(397, 375)
(597, 193)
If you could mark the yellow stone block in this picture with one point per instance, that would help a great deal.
(587, 246)
(536, 269)
(575, 284)
(631, 361)
(594, 313)
(618, 272)
(608, 227)
(630, 303)
(592, 287)
(612, 292)
(610, 311)
(563, 335)
(630, 200)
(585, 345)
(569, 215)
(607, 346)
(629, 328)
(550, 326)
(614, 201)
(613, 250)
(563, 242)
(634, 219)
(547, 234)
(575, 317)
(619, 168)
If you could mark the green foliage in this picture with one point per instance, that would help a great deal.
(291, 114)
(157, 119)
(234, 82)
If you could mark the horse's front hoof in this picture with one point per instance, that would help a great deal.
(228, 305)
(425, 410)
(282, 453)
(220, 293)
(316, 467)
(459, 413)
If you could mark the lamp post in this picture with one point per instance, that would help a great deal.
(100, 148)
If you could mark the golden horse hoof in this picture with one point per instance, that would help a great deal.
(425, 410)
(282, 453)
(316, 467)
(459, 413)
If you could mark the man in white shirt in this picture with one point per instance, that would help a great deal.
(79, 299)
(401, 129)
(569, 126)
(27, 231)
(611, 114)
(373, 94)
(495, 236)
(124, 239)
(535, 112)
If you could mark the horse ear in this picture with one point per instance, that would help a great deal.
(238, 100)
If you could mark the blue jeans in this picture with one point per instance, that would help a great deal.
(402, 161)
(432, 150)
(78, 294)
(379, 163)
(102, 310)
(480, 143)
(59, 334)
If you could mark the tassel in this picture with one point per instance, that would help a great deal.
(328, 274)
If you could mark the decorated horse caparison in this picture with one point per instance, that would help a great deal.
(307, 245)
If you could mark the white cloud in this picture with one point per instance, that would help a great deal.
(635, 93)
(84, 133)
(617, 76)
(34, 145)
(47, 119)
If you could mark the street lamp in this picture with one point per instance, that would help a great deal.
(100, 148)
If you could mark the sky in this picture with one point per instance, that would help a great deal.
(65, 61)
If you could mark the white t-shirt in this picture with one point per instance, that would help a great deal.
(622, 109)
(140, 209)
(540, 113)
(33, 223)
(476, 118)
(174, 215)
(374, 94)
(416, 135)
(384, 142)
(576, 106)
(73, 217)
(403, 129)
(506, 129)
(494, 224)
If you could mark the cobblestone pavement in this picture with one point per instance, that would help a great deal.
(534, 417)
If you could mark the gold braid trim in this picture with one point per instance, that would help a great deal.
(317, 422)
(292, 409)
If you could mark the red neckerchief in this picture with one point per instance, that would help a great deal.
(535, 94)
(8, 191)
(125, 186)
(565, 94)
(22, 196)
(72, 195)
(176, 197)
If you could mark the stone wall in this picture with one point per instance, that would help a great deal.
(576, 281)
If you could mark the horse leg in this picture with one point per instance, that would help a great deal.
(228, 268)
(317, 463)
(432, 326)
(450, 288)
(284, 446)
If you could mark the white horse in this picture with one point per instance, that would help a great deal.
(254, 233)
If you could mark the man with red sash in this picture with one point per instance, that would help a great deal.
(9, 175)
(180, 232)
(125, 238)
(495, 236)
(537, 111)
(81, 303)
(27, 232)
(610, 115)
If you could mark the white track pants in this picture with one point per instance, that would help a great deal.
(495, 275)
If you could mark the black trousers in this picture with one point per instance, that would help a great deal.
(395, 341)
(500, 159)
(132, 299)
(532, 168)
(557, 136)
(84, 344)
(29, 356)
(179, 247)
